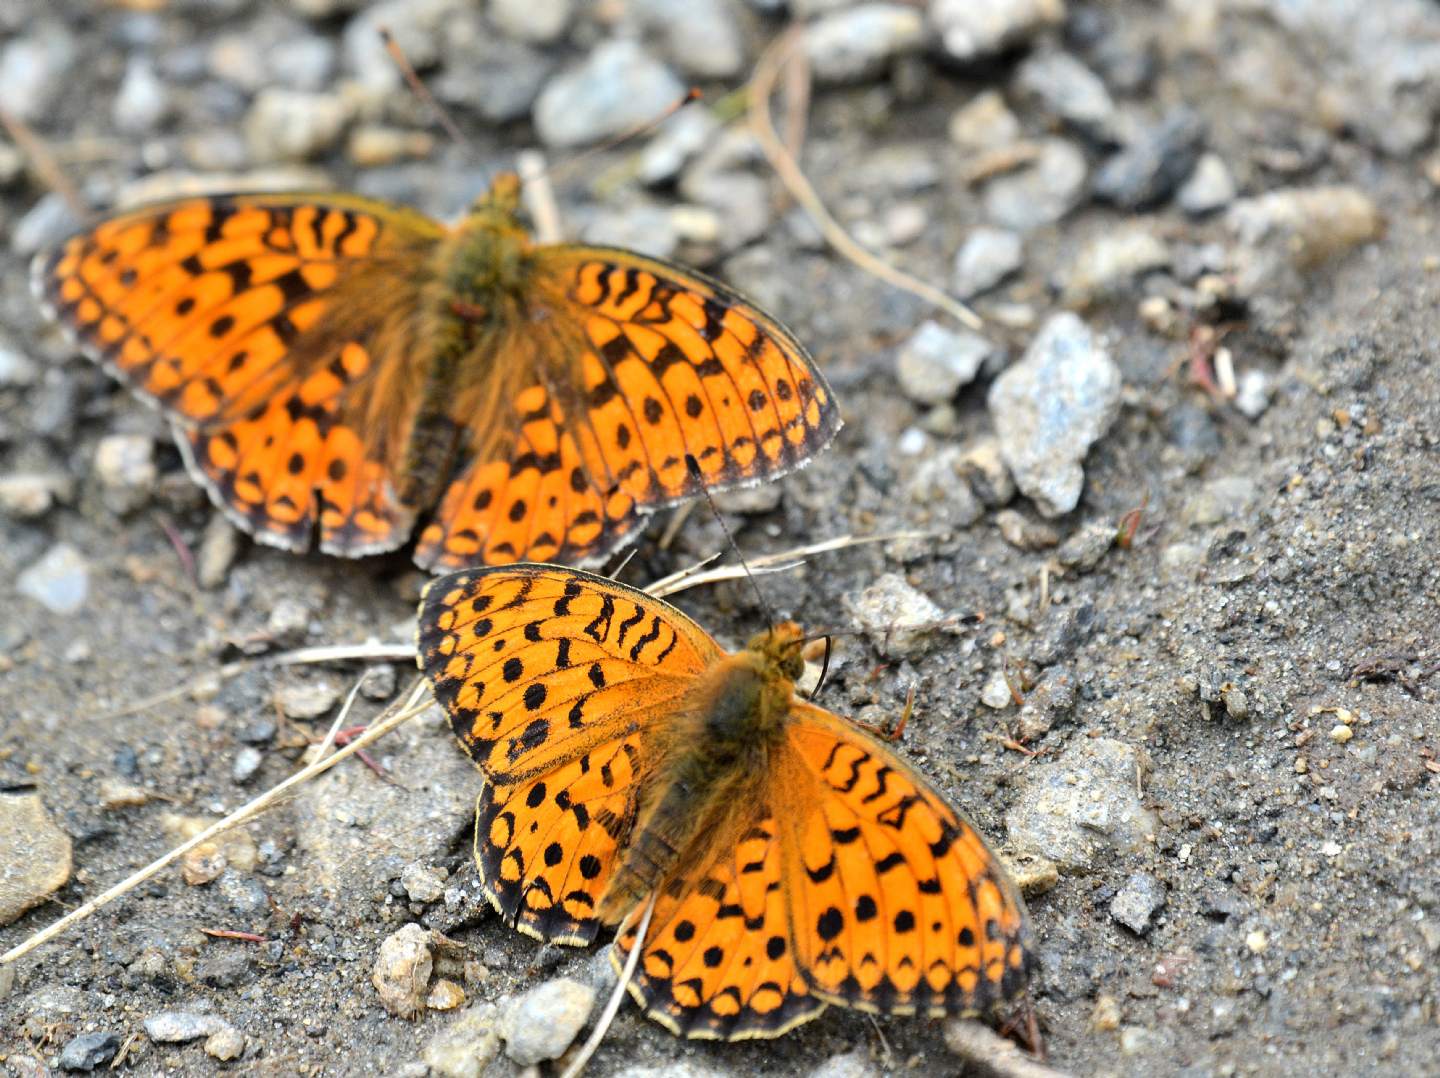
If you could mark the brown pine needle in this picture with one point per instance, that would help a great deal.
(42, 161)
(762, 86)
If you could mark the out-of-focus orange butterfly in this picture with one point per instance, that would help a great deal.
(341, 366)
(794, 859)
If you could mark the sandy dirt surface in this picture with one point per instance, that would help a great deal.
(1224, 776)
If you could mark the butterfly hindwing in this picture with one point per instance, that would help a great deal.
(718, 961)
(897, 906)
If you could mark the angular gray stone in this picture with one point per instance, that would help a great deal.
(1209, 188)
(34, 855)
(616, 87)
(1070, 91)
(537, 21)
(544, 1022)
(971, 29)
(1153, 164)
(1110, 262)
(898, 619)
(1141, 897)
(88, 1051)
(987, 257)
(1050, 407)
(142, 101)
(1040, 193)
(700, 37)
(859, 43)
(935, 362)
(984, 123)
(176, 1027)
(1084, 806)
(290, 125)
(59, 581)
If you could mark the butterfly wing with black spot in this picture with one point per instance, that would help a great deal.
(550, 678)
(277, 332)
(896, 904)
(640, 367)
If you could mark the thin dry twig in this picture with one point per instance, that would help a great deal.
(762, 86)
(992, 1054)
(42, 161)
(602, 1026)
(539, 196)
(402, 714)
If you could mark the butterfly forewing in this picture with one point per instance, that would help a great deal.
(550, 679)
(640, 367)
(249, 320)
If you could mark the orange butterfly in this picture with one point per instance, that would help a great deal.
(796, 861)
(339, 365)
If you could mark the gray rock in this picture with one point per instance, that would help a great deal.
(378, 682)
(618, 86)
(643, 226)
(1085, 549)
(720, 178)
(1209, 188)
(859, 43)
(125, 466)
(88, 1051)
(1110, 263)
(402, 970)
(465, 1047)
(245, 895)
(1252, 393)
(536, 21)
(751, 501)
(225, 1044)
(1050, 407)
(177, 1027)
(16, 368)
(59, 581)
(1040, 193)
(855, 1064)
(289, 621)
(143, 101)
(700, 37)
(935, 362)
(290, 125)
(1310, 224)
(302, 62)
(30, 495)
(34, 855)
(422, 883)
(1141, 897)
(898, 619)
(543, 1022)
(247, 763)
(307, 699)
(984, 123)
(419, 27)
(1225, 498)
(225, 969)
(939, 488)
(495, 78)
(219, 547)
(1070, 91)
(1023, 533)
(45, 224)
(972, 29)
(32, 70)
(1046, 704)
(1084, 806)
(983, 466)
(679, 140)
(1152, 166)
(987, 257)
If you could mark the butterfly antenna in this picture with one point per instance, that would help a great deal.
(694, 466)
(421, 91)
(824, 668)
(634, 131)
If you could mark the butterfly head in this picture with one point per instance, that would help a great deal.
(779, 650)
(503, 197)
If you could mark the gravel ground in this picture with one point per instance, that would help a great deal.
(1200, 234)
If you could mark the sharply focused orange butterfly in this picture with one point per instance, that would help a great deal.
(794, 859)
(339, 365)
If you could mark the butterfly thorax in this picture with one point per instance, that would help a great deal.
(711, 767)
(483, 273)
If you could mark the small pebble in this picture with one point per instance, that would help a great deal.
(125, 466)
(289, 622)
(1069, 90)
(225, 1044)
(539, 22)
(543, 1023)
(1110, 263)
(203, 864)
(936, 361)
(176, 1027)
(307, 699)
(291, 125)
(700, 37)
(1209, 188)
(1085, 549)
(1105, 1017)
(59, 581)
(988, 256)
(422, 883)
(1313, 224)
(219, 547)
(858, 43)
(1252, 393)
(402, 970)
(1137, 902)
(88, 1051)
(996, 694)
(445, 995)
(1023, 533)
(1050, 407)
(35, 853)
(30, 495)
(1256, 941)
(117, 794)
(1340, 733)
(616, 88)
(897, 618)
(247, 763)
(984, 123)
(1154, 164)
(970, 30)
(983, 467)
(1039, 193)
(143, 100)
